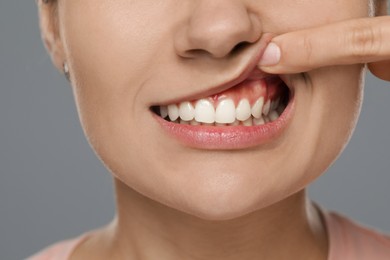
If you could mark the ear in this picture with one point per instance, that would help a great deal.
(48, 18)
(381, 8)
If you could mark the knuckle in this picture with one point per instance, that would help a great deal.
(363, 41)
(307, 44)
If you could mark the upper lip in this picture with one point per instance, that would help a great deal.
(250, 71)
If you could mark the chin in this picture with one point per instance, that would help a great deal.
(225, 196)
(226, 206)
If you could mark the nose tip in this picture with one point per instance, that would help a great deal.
(217, 28)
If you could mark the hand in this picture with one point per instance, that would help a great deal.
(364, 40)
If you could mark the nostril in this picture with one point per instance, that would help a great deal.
(202, 52)
(239, 47)
(196, 53)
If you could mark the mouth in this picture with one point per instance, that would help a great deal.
(252, 113)
(259, 99)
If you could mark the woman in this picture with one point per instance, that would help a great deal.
(213, 117)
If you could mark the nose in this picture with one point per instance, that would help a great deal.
(217, 28)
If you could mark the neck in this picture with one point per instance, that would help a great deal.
(146, 229)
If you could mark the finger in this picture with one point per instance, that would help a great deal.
(380, 69)
(348, 42)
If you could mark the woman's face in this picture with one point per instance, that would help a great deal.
(129, 56)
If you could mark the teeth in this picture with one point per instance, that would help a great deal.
(258, 121)
(186, 111)
(173, 112)
(243, 111)
(248, 122)
(204, 111)
(226, 112)
(273, 115)
(258, 108)
(194, 122)
(267, 107)
(235, 123)
(163, 111)
(274, 104)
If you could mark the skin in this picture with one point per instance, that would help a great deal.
(174, 202)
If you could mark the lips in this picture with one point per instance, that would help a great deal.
(226, 137)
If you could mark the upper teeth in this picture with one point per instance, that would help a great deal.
(186, 111)
(244, 111)
(225, 113)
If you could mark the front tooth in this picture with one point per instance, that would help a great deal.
(173, 112)
(226, 112)
(273, 115)
(183, 122)
(186, 111)
(258, 121)
(243, 111)
(163, 111)
(248, 122)
(204, 111)
(266, 107)
(257, 108)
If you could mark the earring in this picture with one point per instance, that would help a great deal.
(66, 70)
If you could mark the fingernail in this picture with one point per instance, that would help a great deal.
(271, 55)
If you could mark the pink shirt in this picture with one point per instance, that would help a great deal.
(347, 241)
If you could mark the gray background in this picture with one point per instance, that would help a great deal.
(53, 187)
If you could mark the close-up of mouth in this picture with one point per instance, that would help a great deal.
(253, 102)
(252, 112)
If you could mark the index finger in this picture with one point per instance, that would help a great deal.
(349, 42)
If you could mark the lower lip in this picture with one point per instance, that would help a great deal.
(228, 137)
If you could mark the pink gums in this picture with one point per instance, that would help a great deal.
(250, 89)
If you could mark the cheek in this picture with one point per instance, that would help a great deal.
(111, 54)
(335, 105)
(342, 102)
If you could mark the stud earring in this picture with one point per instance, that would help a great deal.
(66, 71)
